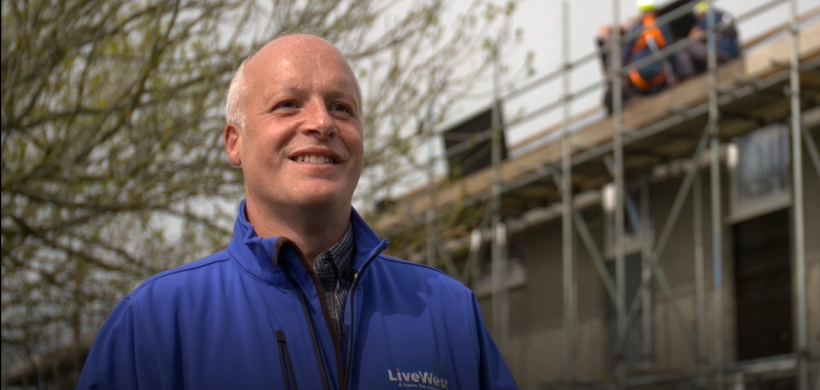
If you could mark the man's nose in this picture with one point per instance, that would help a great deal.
(319, 122)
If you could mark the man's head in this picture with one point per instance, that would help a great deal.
(295, 125)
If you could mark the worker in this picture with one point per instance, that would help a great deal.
(645, 38)
(604, 42)
(694, 59)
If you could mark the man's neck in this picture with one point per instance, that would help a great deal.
(314, 230)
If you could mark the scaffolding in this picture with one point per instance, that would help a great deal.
(560, 177)
(586, 156)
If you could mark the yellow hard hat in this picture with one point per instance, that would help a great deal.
(647, 5)
(701, 7)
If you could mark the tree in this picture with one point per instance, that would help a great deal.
(112, 159)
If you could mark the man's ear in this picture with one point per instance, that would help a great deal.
(232, 136)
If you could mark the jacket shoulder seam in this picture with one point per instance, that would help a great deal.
(412, 264)
(184, 268)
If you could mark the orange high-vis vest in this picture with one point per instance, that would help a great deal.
(650, 29)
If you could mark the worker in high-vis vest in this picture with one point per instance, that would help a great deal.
(645, 38)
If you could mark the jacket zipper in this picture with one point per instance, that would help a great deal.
(322, 302)
(316, 351)
(286, 363)
(343, 376)
(350, 295)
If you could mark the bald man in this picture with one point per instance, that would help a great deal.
(303, 296)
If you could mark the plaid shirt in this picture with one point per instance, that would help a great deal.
(335, 270)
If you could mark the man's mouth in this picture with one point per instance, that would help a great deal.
(314, 159)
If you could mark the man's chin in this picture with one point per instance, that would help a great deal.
(300, 196)
(315, 203)
(319, 200)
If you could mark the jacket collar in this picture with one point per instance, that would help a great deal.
(368, 244)
(267, 258)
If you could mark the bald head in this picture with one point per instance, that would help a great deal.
(289, 48)
(295, 128)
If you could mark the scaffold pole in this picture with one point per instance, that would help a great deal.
(498, 261)
(431, 187)
(797, 204)
(570, 289)
(700, 275)
(617, 128)
(717, 213)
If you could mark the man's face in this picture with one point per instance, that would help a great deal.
(302, 142)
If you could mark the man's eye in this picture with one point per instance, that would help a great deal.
(341, 108)
(286, 105)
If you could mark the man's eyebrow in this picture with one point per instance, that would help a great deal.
(269, 96)
(341, 92)
(345, 94)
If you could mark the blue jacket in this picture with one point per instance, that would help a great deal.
(252, 317)
(726, 40)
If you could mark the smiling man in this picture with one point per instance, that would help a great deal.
(303, 296)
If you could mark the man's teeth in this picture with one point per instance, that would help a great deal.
(315, 159)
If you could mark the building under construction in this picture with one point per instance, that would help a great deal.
(670, 245)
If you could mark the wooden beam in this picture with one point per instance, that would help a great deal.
(761, 62)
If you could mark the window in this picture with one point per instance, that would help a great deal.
(763, 286)
(759, 165)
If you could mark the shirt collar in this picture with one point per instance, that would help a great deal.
(339, 258)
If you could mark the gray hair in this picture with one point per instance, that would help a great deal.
(236, 91)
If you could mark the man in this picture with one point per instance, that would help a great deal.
(693, 60)
(302, 297)
(642, 38)
(604, 40)
(648, 38)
